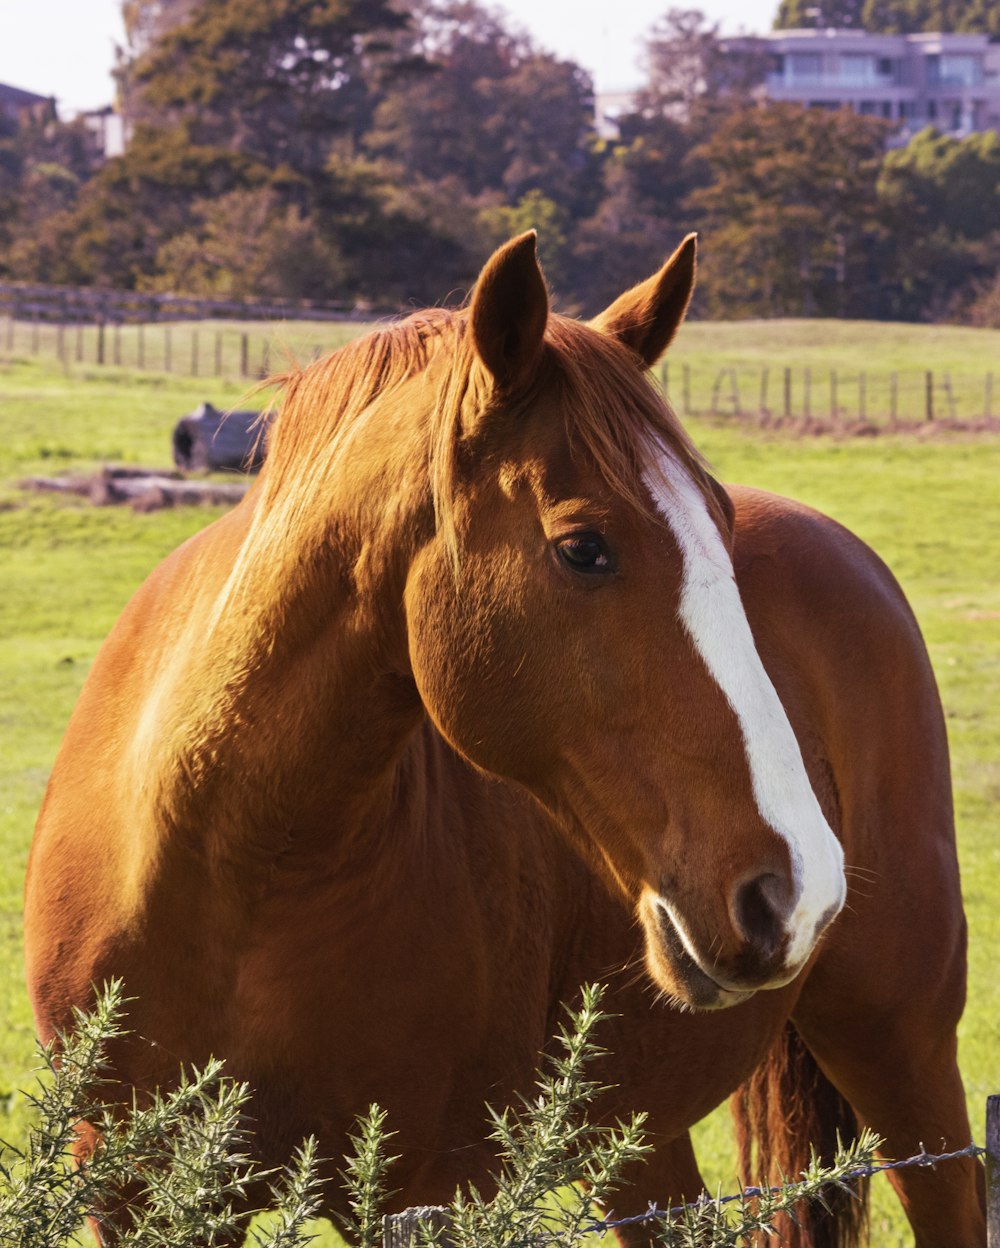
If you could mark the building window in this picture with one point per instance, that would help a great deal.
(857, 70)
(887, 67)
(887, 109)
(805, 66)
(961, 71)
(867, 108)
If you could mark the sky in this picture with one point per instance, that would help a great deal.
(66, 48)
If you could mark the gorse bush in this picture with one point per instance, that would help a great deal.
(178, 1167)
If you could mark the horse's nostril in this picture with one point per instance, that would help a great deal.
(759, 908)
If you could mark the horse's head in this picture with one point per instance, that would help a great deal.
(575, 625)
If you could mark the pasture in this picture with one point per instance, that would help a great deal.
(930, 507)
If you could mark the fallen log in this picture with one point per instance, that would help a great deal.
(144, 490)
(207, 440)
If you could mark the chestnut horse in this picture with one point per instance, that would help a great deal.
(489, 689)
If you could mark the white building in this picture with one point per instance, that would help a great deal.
(948, 81)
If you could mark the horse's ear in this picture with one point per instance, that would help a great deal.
(646, 317)
(510, 307)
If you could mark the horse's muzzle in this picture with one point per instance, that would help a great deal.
(748, 950)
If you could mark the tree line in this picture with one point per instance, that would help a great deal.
(363, 150)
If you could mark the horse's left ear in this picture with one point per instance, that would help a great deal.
(510, 308)
(646, 317)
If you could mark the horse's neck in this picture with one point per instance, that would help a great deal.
(284, 718)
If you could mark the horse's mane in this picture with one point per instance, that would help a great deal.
(616, 416)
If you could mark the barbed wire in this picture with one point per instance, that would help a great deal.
(654, 1212)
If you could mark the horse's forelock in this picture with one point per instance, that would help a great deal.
(616, 412)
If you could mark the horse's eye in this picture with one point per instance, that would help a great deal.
(585, 552)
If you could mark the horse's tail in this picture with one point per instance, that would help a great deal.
(786, 1111)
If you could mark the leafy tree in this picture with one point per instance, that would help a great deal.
(641, 214)
(249, 243)
(484, 109)
(891, 16)
(405, 240)
(791, 220)
(941, 181)
(43, 168)
(273, 79)
(819, 14)
(691, 73)
(942, 202)
(128, 210)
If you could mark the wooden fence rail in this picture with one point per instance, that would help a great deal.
(88, 305)
(400, 1229)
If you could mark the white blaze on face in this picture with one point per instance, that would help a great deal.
(712, 614)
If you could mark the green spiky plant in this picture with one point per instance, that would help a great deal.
(178, 1168)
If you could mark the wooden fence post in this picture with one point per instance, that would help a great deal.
(788, 393)
(100, 341)
(764, 374)
(929, 395)
(218, 353)
(993, 1171)
(399, 1229)
(244, 355)
(168, 349)
(194, 353)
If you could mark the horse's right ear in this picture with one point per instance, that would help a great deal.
(510, 307)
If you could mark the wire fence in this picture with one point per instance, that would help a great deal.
(654, 1213)
(804, 394)
(767, 392)
(404, 1229)
(185, 349)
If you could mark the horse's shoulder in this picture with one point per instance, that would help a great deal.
(794, 554)
(827, 613)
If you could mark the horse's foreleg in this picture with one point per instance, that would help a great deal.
(669, 1176)
(898, 1069)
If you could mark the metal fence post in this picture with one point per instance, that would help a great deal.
(993, 1171)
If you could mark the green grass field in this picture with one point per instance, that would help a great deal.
(930, 507)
